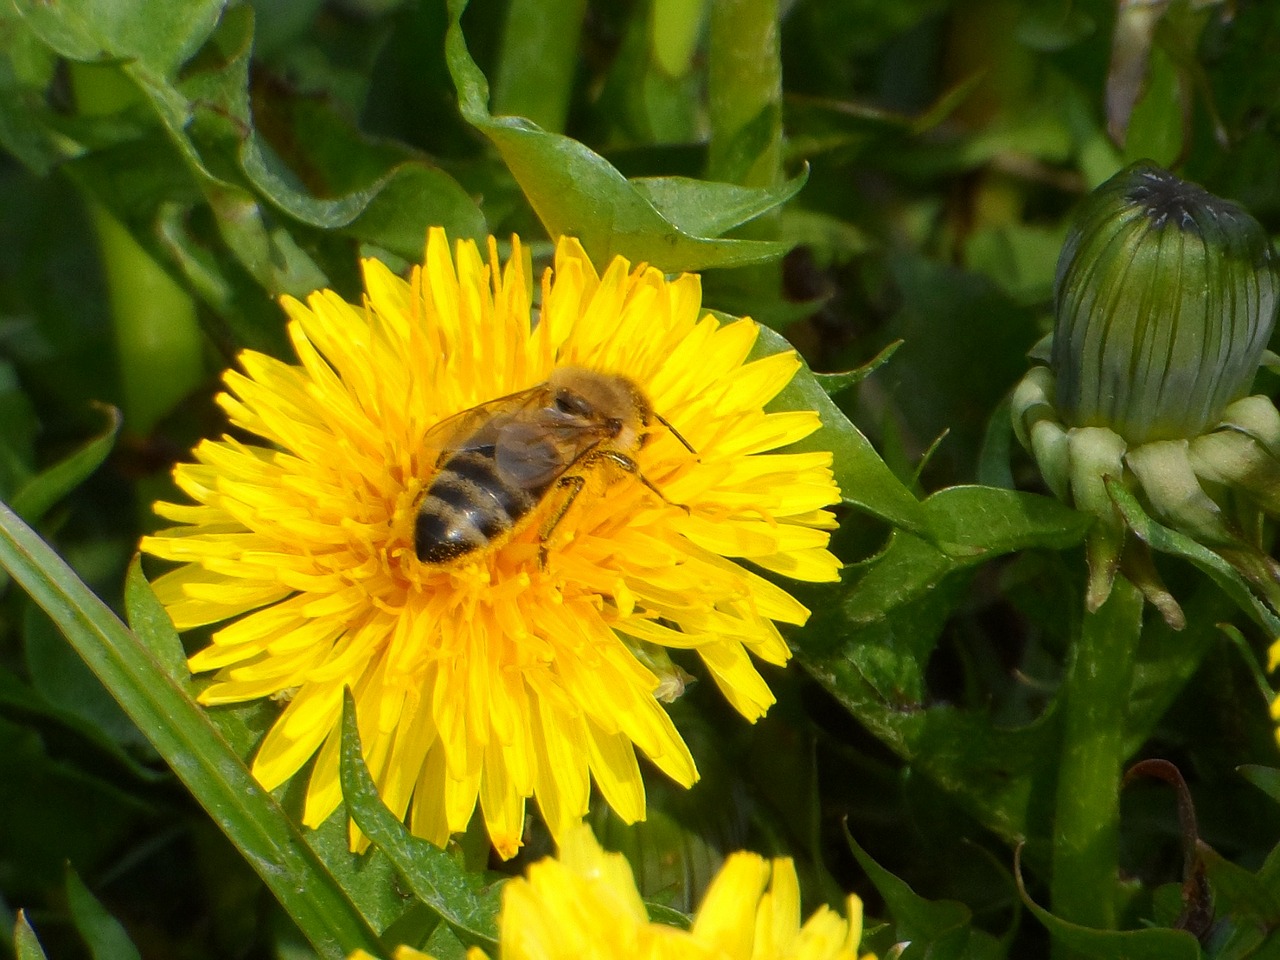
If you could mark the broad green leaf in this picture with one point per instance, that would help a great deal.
(161, 36)
(50, 485)
(971, 525)
(1001, 775)
(101, 932)
(1153, 943)
(708, 209)
(445, 945)
(464, 900)
(576, 192)
(184, 736)
(865, 481)
(25, 944)
(26, 69)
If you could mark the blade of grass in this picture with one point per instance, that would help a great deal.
(186, 739)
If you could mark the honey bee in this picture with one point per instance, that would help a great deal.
(499, 461)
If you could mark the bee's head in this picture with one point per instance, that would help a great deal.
(606, 402)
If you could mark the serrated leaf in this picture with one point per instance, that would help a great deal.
(576, 192)
(970, 525)
(102, 933)
(50, 485)
(463, 900)
(183, 735)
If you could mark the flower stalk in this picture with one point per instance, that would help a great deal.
(1095, 709)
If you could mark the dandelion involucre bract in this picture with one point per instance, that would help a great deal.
(522, 669)
(585, 906)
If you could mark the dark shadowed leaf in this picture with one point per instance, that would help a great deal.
(50, 485)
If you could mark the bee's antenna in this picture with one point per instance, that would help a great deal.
(676, 433)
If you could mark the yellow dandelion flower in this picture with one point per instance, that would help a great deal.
(513, 666)
(585, 906)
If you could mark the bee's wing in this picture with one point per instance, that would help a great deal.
(530, 454)
(478, 427)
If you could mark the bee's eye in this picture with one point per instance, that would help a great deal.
(571, 404)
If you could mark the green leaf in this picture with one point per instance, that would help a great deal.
(970, 525)
(183, 735)
(25, 944)
(707, 209)
(50, 485)
(865, 480)
(1151, 944)
(464, 900)
(837, 383)
(576, 192)
(943, 927)
(1266, 779)
(101, 932)
(152, 626)
(162, 36)
(1239, 893)
(997, 773)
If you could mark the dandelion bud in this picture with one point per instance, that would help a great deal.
(1165, 297)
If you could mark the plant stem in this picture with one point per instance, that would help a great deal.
(744, 81)
(1095, 709)
(539, 56)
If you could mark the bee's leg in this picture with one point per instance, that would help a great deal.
(629, 465)
(574, 485)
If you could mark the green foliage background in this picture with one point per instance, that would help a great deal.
(853, 173)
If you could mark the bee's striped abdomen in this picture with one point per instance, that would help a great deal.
(468, 505)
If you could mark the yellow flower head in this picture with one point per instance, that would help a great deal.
(521, 667)
(585, 906)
